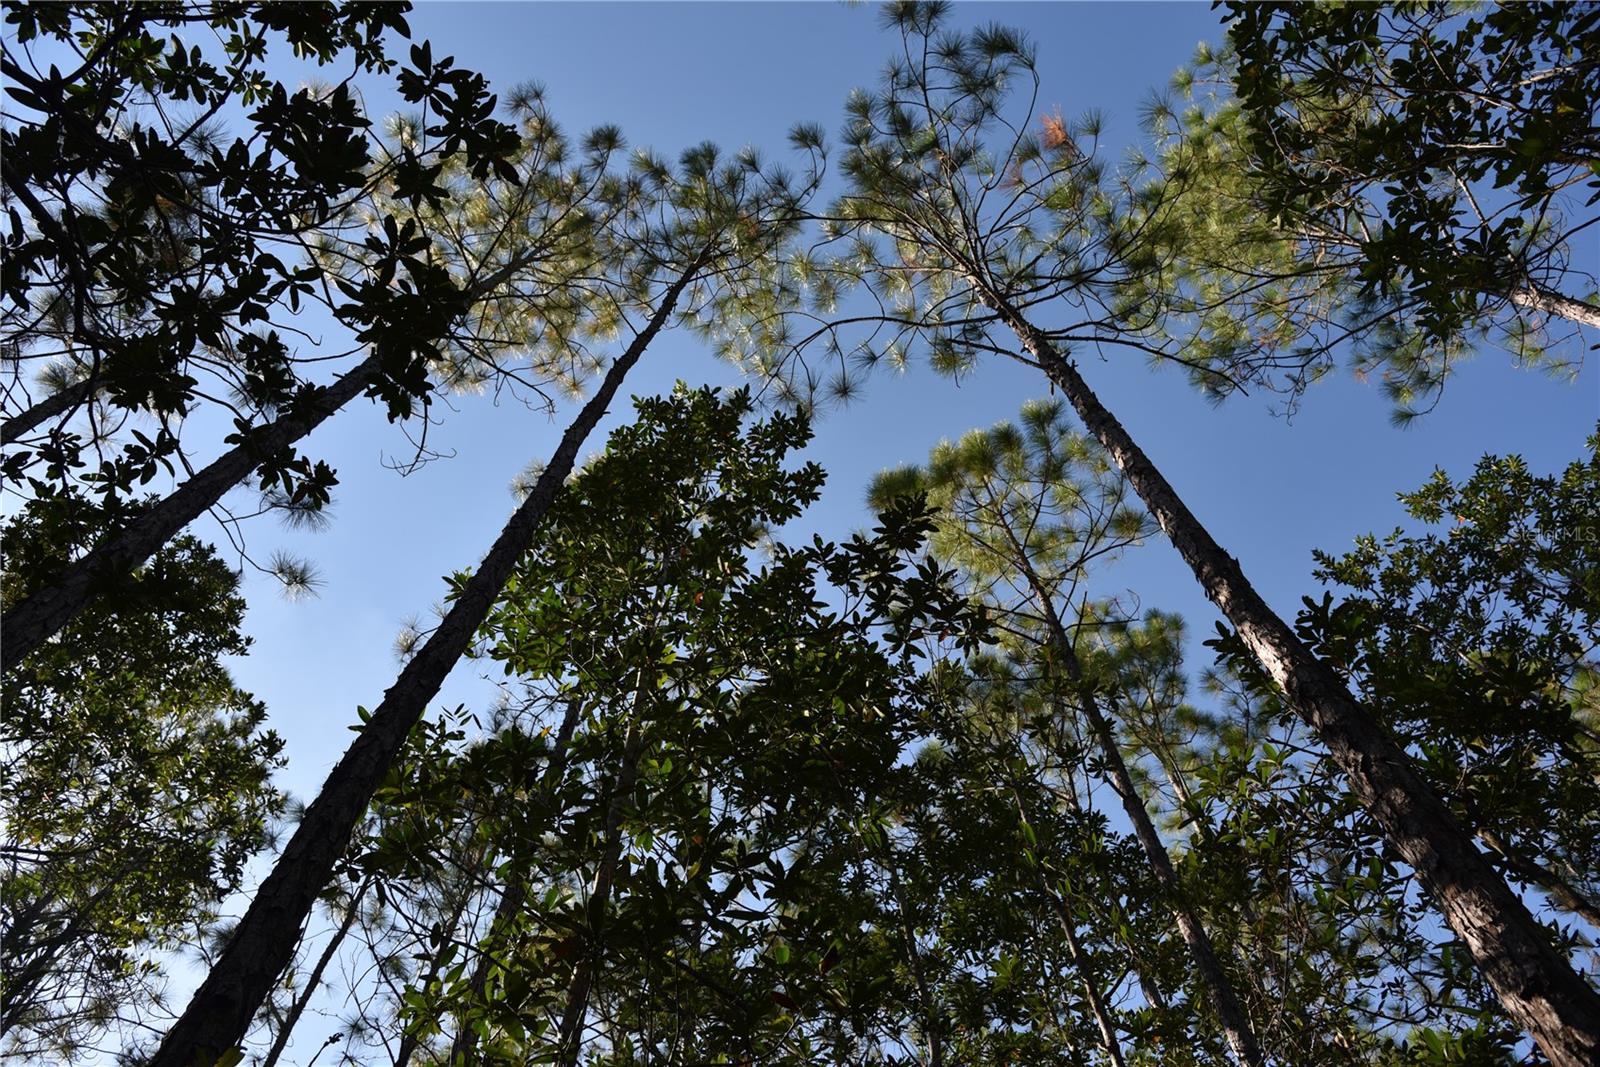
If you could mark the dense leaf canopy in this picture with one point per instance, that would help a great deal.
(937, 792)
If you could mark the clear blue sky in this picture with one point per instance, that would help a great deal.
(672, 75)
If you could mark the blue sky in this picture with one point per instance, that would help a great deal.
(672, 75)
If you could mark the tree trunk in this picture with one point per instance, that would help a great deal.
(35, 620)
(569, 1035)
(411, 1037)
(314, 979)
(1538, 987)
(1562, 893)
(220, 1012)
(1560, 305)
(1116, 916)
(1224, 1001)
(465, 1044)
(48, 408)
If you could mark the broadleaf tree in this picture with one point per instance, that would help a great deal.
(137, 784)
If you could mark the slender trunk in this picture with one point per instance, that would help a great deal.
(1562, 893)
(22, 993)
(216, 1019)
(1560, 305)
(569, 1035)
(1091, 987)
(36, 619)
(1080, 961)
(46, 409)
(914, 960)
(1536, 984)
(1173, 772)
(1224, 1001)
(465, 1044)
(314, 979)
(1141, 966)
(411, 1038)
(39, 617)
(1141, 970)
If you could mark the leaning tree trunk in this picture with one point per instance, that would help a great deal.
(220, 1012)
(51, 406)
(39, 617)
(1080, 959)
(314, 979)
(1551, 302)
(1537, 986)
(1219, 989)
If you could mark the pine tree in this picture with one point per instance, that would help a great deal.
(968, 228)
(1024, 512)
(715, 220)
(1402, 189)
(519, 272)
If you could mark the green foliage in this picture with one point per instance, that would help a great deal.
(156, 266)
(729, 718)
(746, 800)
(1402, 182)
(137, 785)
(965, 207)
(150, 251)
(1475, 645)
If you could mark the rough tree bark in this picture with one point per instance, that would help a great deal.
(1538, 987)
(55, 404)
(1560, 305)
(36, 619)
(220, 1012)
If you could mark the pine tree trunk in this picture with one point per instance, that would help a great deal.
(42, 615)
(1091, 987)
(1560, 305)
(1224, 1001)
(1538, 987)
(46, 409)
(35, 620)
(1138, 964)
(220, 1012)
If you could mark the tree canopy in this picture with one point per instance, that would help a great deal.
(730, 790)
